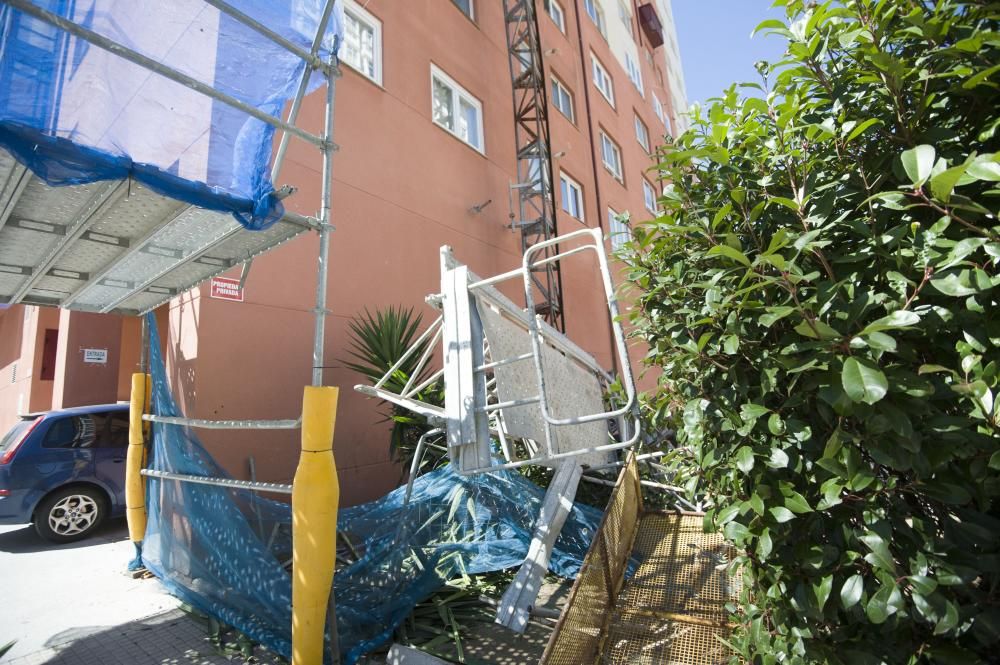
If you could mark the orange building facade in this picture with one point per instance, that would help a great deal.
(425, 125)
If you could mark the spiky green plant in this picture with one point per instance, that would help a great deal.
(377, 342)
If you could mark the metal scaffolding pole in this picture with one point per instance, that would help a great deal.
(319, 332)
(327, 148)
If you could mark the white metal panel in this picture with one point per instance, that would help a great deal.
(572, 390)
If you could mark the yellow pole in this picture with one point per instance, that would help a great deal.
(315, 496)
(135, 495)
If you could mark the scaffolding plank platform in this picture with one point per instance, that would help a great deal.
(114, 246)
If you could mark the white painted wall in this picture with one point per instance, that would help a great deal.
(671, 54)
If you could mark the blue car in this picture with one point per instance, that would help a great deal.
(65, 470)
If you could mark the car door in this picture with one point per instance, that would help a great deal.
(110, 449)
(66, 452)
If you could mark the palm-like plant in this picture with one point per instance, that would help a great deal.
(377, 342)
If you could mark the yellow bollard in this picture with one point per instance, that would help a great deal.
(315, 496)
(135, 495)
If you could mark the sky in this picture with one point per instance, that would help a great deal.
(716, 47)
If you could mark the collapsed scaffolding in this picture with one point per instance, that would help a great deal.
(125, 230)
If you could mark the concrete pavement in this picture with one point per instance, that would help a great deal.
(59, 590)
(76, 604)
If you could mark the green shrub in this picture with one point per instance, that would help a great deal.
(376, 342)
(821, 294)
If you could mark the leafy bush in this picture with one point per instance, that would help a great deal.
(377, 341)
(821, 293)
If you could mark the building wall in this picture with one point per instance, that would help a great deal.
(22, 335)
(675, 72)
(79, 381)
(402, 188)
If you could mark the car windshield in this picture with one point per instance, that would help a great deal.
(14, 434)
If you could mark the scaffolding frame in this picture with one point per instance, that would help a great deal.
(46, 269)
(324, 142)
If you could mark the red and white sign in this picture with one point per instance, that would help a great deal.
(224, 288)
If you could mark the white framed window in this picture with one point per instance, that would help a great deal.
(454, 109)
(602, 79)
(649, 197)
(641, 133)
(571, 195)
(562, 99)
(466, 7)
(362, 49)
(555, 10)
(658, 109)
(596, 15)
(634, 72)
(611, 155)
(618, 229)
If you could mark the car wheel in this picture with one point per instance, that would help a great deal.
(69, 514)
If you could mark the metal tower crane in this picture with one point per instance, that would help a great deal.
(536, 218)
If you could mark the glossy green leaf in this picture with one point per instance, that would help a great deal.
(850, 592)
(735, 532)
(730, 252)
(896, 320)
(821, 590)
(796, 503)
(879, 555)
(782, 514)
(863, 382)
(918, 162)
(764, 545)
(985, 168)
(779, 459)
(877, 608)
(744, 459)
(727, 514)
(958, 284)
(774, 314)
(862, 128)
(943, 184)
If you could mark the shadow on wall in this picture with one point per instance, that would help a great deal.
(10, 335)
(180, 367)
(167, 638)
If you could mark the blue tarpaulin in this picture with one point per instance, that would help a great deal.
(225, 551)
(75, 113)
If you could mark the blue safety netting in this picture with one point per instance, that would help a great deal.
(227, 552)
(75, 113)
